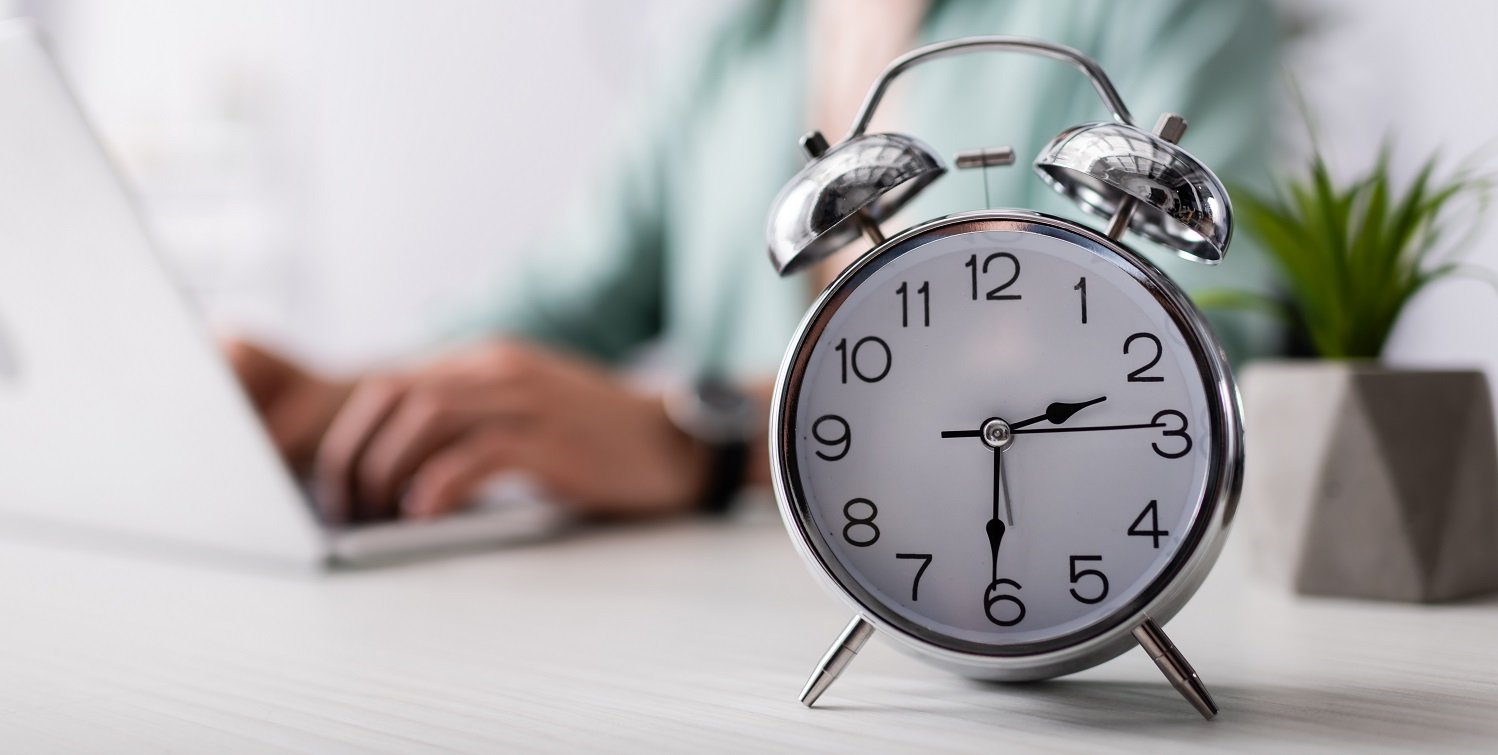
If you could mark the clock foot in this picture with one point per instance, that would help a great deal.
(1174, 666)
(837, 658)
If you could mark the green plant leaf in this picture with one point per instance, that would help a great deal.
(1229, 298)
(1353, 254)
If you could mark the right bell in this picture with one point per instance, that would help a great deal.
(1181, 204)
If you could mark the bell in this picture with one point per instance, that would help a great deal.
(1178, 203)
(843, 192)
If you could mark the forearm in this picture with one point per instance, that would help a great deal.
(757, 461)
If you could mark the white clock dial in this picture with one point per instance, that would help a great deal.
(1105, 472)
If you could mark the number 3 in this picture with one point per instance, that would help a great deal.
(1179, 432)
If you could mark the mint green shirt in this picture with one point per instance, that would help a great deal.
(671, 247)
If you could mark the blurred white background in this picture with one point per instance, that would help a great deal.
(336, 175)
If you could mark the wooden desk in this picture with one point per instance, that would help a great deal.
(684, 637)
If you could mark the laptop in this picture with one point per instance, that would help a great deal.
(117, 413)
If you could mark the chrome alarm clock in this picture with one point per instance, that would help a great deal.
(1005, 439)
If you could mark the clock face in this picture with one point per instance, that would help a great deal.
(1001, 441)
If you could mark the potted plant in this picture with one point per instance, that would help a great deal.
(1365, 480)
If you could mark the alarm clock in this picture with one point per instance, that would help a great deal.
(1005, 439)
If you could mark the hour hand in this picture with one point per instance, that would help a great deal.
(1058, 412)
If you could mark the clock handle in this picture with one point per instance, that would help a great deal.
(837, 658)
(1089, 67)
(1175, 667)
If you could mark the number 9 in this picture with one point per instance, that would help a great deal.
(843, 437)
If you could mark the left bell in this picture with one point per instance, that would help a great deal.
(862, 180)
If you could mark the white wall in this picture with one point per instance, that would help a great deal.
(335, 172)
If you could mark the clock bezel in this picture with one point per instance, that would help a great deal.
(1160, 599)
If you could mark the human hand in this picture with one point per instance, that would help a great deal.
(420, 443)
(295, 405)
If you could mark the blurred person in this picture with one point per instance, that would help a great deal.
(670, 249)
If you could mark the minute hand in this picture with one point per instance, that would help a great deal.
(1095, 428)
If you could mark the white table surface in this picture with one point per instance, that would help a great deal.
(692, 636)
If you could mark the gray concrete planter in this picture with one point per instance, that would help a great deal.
(1368, 482)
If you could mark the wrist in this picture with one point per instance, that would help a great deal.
(691, 468)
(720, 421)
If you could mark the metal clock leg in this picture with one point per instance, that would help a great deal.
(1165, 655)
(837, 658)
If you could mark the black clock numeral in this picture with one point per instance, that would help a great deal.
(1179, 432)
(863, 525)
(993, 293)
(1154, 532)
(843, 438)
(992, 600)
(1138, 376)
(915, 585)
(1080, 574)
(925, 292)
(859, 364)
(1082, 288)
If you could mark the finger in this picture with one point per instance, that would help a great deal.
(419, 426)
(282, 394)
(426, 420)
(449, 479)
(337, 456)
(258, 370)
(301, 415)
(292, 422)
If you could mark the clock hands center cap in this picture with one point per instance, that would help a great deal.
(996, 434)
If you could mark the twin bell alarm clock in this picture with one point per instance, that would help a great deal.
(1004, 439)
